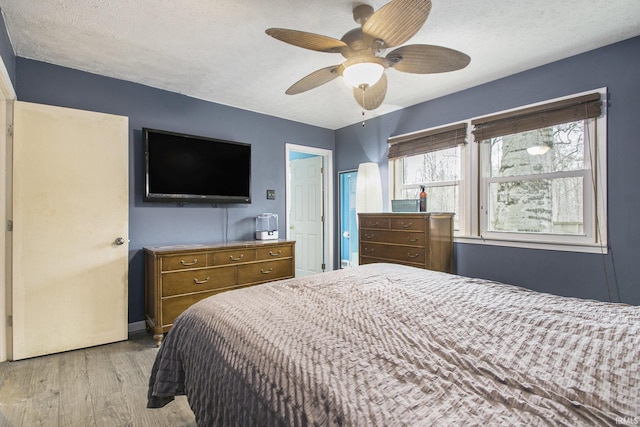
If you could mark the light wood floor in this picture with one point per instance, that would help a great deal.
(99, 386)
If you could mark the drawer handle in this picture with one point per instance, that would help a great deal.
(412, 256)
(412, 240)
(369, 236)
(369, 250)
(373, 224)
(406, 225)
(263, 271)
(236, 259)
(275, 253)
(200, 282)
(194, 262)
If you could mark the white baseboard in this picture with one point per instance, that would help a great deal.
(137, 326)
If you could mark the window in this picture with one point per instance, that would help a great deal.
(537, 179)
(431, 159)
(439, 172)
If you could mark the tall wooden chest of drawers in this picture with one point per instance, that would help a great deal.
(177, 277)
(422, 240)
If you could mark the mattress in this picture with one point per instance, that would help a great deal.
(385, 344)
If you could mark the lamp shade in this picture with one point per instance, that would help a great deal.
(368, 188)
(363, 73)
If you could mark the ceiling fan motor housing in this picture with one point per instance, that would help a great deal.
(360, 43)
(362, 13)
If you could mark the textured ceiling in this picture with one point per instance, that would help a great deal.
(218, 50)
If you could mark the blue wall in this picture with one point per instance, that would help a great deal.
(565, 273)
(573, 274)
(163, 224)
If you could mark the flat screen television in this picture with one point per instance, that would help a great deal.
(187, 168)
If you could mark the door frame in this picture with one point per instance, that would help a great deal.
(7, 96)
(327, 196)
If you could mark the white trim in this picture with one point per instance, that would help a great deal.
(7, 96)
(328, 195)
(470, 176)
(548, 246)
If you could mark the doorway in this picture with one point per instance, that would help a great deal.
(348, 219)
(309, 207)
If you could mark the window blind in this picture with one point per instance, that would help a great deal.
(565, 111)
(426, 141)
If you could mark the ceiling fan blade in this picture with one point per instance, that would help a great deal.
(308, 40)
(397, 21)
(373, 96)
(315, 79)
(427, 59)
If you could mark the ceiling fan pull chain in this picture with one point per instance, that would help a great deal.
(363, 87)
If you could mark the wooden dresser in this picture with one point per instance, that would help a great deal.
(178, 276)
(422, 240)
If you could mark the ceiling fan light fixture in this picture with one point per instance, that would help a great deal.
(363, 73)
(538, 150)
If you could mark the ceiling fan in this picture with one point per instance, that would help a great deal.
(364, 67)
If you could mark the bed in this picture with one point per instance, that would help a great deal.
(385, 344)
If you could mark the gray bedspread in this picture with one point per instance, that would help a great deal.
(390, 345)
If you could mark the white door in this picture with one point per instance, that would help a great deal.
(307, 214)
(70, 229)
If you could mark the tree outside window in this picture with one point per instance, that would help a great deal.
(538, 193)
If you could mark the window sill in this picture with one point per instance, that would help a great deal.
(590, 248)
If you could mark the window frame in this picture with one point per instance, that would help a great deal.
(396, 176)
(474, 191)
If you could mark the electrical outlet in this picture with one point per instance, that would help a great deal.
(271, 194)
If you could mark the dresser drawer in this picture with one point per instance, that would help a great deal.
(274, 252)
(395, 253)
(184, 261)
(414, 224)
(419, 239)
(378, 223)
(185, 282)
(393, 237)
(174, 306)
(264, 271)
(366, 260)
(177, 277)
(234, 256)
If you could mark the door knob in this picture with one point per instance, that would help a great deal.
(119, 241)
